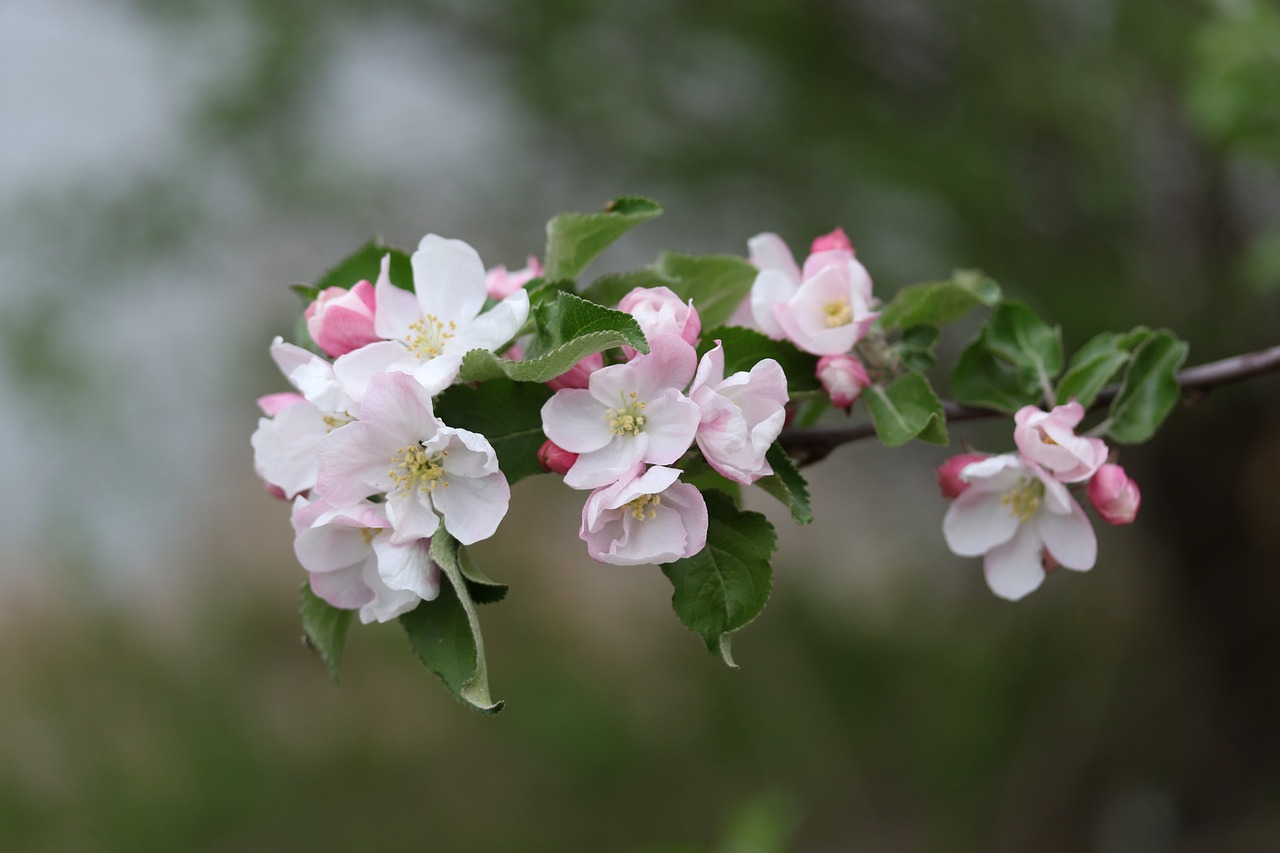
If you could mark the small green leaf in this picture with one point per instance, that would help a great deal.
(1150, 388)
(726, 584)
(481, 587)
(915, 348)
(507, 413)
(1012, 362)
(324, 628)
(575, 239)
(787, 484)
(1096, 363)
(905, 410)
(365, 264)
(445, 632)
(1020, 337)
(717, 284)
(745, 348)
(608, 290)
(938, 302)
(982, 380)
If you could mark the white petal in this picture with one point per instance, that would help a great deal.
(1069, 538)
(450, 280)
(1014, 569)
(575, 420)
(356, 368)
(407, 567)
(494, 327)
(473, 508)
(976, 522)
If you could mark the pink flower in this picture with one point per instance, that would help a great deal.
(502, 284)
(1114, 495)
(741, 416)
(341, 320)
(629, 413)
(949, 480)
(430, 473)
(353, 563)
(578, 376)
(1049, 440)
(1011, 514)
(555, 459)
(836, 241)
(646, 517)
(843, 377)
(660, 312)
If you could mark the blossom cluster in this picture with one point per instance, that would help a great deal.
(357, 447)
(1016, 510)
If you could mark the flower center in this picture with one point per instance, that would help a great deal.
(1023, 499)
(368, 533)
(427, 336)
(838, 313)
(645, 506)
(332, 422)
(414, 469)
(627, 419)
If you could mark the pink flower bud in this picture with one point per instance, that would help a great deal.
(341, 320)
(555, 459)
(1114, 495)
(579, 375)
(836, 241)
(501, 283)
(949, 481)
(660, 312)
(843, 377)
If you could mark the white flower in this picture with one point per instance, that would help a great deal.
(646, 517)
(741, 415)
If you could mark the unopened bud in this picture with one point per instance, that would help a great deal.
(843, 377)
(1114, 495)
(555, 459)
(836, 241)
(949, 482)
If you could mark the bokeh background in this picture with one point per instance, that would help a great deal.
(168, 167)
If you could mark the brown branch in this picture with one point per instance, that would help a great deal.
(807, 446)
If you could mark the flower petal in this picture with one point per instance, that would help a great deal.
(1014, 569)
(976, 522)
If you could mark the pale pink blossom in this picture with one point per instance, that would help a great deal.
(843, 377)
(629, 413)
(646, 517)
(555, 459)
(949, 481)
(658, 311)
(427, 332)
(430, 473)
(578, 376)
(501, 283)
(836, 241)
(1049, 440)
(353, 563)
(341, 320)
(1011, 514)
(1114, 495)
(741, 416)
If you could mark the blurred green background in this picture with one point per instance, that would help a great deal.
(168, 168)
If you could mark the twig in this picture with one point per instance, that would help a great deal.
(807, 446)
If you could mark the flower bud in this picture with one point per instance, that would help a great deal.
(836, 241)
(1114, 495)
(843, 377)
(949, 482)
(659, 311)
(501, 283)
(579, 375)
(341, 320)
(555, 459)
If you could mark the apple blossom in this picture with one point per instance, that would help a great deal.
(659, 311)
(501, 283)
(426, 333)
(1049, 440)
(741, 415)
(1010, 514)
(949, 481)
(430, 473)
(1114, 495)
(629, 413)
(341, 320)
(353, 563)
(843, 377)
(648, 516)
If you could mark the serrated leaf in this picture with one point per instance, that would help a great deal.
(445, 632)
(1018, 335)
(365, 264)
(1013, 360)
(1093, 366)
(937, 302)
(575, 239)
(482, 588)
(905, 410)
(717, 284)
(726, 584)
(507, 413)
(982, 380)
(745, 348)
(1150, 388)
(325, 629)
(787, 484)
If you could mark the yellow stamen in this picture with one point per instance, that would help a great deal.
(627, 418)
(645, 506)
(839, 313)
(1024, 499)
(427, 336)
(413, 469)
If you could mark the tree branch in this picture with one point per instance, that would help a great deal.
(807, 446)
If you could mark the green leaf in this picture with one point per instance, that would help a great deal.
(575, 239)
(745, 348)
(905, 410)
(937, 302)
(1096, 363)
(445, 632)
(568, 329)
(324, 628)
(1011, 363)
(1150, 388)
(507, 413)
(916, 347)
(365, 264)
(481, 588)
(717, 284)
(981, 380)
(609, 289)
(787, 484)
(726, 584)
